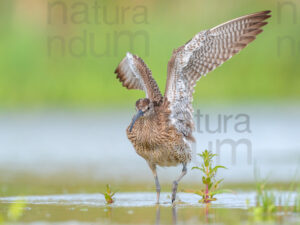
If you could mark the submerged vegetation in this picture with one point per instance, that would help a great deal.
(211, 185)
(15, 211)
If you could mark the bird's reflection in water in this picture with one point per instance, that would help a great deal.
(205, 213)
(157, 221)
(174, 215)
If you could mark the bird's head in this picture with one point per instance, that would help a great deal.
(144, 107)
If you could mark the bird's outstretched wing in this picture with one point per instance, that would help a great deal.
(133, 73)
(202, 54)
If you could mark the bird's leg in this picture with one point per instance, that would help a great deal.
(157, 188)
(175, 183)
(153, 169)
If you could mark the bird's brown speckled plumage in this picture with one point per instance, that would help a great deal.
(157, 140)
(161, 131)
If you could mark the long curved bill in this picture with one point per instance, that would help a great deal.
(138, 115)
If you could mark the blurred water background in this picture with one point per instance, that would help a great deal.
(94, 145)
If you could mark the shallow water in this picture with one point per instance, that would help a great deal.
(140, 208)
(142, 199)
(241, 200)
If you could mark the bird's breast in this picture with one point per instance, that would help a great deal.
(158, 143)
(145, 132)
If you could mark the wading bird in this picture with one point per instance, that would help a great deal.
(161, 130)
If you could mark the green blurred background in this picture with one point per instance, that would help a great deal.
(36, 72)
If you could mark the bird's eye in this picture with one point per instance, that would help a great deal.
(148, 108)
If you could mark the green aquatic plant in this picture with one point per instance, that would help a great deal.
(211, 185)
(287, 200)
(297, 203)
(16, 209)
(109, 195)
(266, 203)
(265, 199)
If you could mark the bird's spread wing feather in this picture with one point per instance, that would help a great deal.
(133, 73)
(202, 54)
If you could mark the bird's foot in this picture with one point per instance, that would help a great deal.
(173, 203)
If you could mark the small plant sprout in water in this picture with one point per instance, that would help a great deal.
(109, 195)
(211, 185)
(15, 211)
(265, 201)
